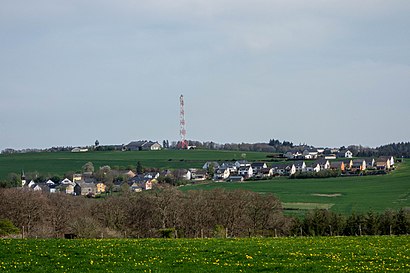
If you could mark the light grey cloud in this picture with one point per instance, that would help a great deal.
(307, 71)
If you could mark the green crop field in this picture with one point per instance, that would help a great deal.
(302, 254)
(59, 163)
(342, 194)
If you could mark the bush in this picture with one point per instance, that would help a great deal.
(167, 232)
(7, 228)
(219, 232)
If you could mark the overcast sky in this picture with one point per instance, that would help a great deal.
(321, 72)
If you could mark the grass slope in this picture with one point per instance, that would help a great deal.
(342, 194)
(320, 254)
(62, 162)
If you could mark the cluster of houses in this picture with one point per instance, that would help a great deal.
(315, 153)
(140, 145)
(87, 184)
(242, 170)
(231, 171)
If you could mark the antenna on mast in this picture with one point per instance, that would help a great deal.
(182, 130)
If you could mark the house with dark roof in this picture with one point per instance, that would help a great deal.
(344, 154)
(242, 163)
(324, 164)
(337, 165)
(83, 188)
(370, 163)
(282, 169)
(232, 166)
(387, 158)
(310, 153)
(245, 171)
(313, 167)
(264, 173)
(293, 154)
(299, 166)
(198, 174)
(222, 174)
(358, 165)
(384, 163)
(257, 166)
(142, 182)
(235, 178)
(143, 145)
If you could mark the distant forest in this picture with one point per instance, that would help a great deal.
(401, 149)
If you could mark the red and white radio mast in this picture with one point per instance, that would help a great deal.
(182, 131)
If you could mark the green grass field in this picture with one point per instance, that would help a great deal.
(62, 162)
(342, 194)
(317, 254)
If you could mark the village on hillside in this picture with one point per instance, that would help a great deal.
(308, 163)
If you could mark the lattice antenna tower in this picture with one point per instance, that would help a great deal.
(182, 130)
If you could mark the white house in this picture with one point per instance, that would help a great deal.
(242, 163)
(330, 156)
(293, 154)
(222, 174)
(310, 154)
(79, 150)
(186, 175)
(67, 181)
(324, 164)
(300, 166)
(232, 166)
(50, 182)
(370, 163)
(246, 171)
(315, 167)
(266, 172)
(257, 166)
(345, 154)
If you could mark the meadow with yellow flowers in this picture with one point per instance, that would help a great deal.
(295, 254)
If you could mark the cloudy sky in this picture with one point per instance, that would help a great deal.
(321, 72)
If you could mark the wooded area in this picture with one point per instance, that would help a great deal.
(172, 213)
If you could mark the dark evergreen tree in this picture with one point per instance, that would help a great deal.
(140, 170)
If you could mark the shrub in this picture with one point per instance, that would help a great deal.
(167, 232)
(7, 227)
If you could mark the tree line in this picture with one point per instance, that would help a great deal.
(401, 149)
(173, 213)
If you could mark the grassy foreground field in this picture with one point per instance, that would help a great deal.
(342, 194)
(59, 163)
(320, 254)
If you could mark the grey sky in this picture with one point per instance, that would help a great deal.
(326, 73)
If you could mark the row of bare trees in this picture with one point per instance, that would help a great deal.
(173, 213)
(169, 213)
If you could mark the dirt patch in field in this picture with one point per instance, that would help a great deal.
(327, 194)
(305, 206)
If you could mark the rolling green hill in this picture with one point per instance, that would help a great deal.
(58, 163)
(341, 194)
